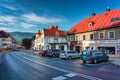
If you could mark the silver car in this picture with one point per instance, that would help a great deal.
(69, 54)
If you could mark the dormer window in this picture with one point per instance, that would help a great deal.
(57, 34)
(90, 24)
(115, 19)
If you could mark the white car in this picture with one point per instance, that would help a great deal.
(69, 54)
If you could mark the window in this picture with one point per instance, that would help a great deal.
(57, 34)
(111, 34)
(115, 19)
(72, 38)
(76, 38)
(91, 36)
(48, 40)
(55, 40)
(83, 37)
(91, 23)
(101, 35)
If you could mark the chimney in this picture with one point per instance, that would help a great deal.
(93, 14)
(56, 27)
(107, 9)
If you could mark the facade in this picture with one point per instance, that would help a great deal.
(6, 40)
(50, 38)
(98, 32)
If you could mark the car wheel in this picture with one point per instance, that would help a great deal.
(69, 57)
(107, 59)
(54, 55)
(84, 61)
(95, 61)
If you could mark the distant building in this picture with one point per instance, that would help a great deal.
(51, 38)
(100, 31)
(6, 40)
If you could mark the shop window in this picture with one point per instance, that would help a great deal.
(101, 35)
(111, 34)
(91, 36)
(83, 37)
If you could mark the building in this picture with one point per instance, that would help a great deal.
(50, 38)
(6, 40)
(97, 32)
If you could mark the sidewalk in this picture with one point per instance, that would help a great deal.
(0, 57)
(114, 60)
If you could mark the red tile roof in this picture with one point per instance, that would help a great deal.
(53, 31)
(38, 34)
(101, 21)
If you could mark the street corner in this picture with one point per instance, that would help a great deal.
(115, 61)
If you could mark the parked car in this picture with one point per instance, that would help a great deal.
(54, 53)
(44, 53)
(94, 56)
(69, 54)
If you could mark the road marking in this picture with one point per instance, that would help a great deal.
(59, 78)
(71, 75)
(66, 71)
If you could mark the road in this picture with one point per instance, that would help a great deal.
(19, 65)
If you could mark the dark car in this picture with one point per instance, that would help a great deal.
(94, 56)
(44, 53)
(54, 53)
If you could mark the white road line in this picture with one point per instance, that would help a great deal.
(71, 75)
(59, 78)
(63, 70)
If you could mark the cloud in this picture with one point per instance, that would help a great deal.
(5, 24)
(7, 19)
(6, 29)
(39, 19)
(8, 7)
(26, 25)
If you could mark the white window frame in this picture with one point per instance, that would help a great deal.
(109, 34)
(72, 36)
(48, 40)
(103, 35)
(90, 24)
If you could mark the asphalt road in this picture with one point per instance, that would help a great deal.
(20, 65)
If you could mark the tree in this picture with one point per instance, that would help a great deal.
(26, 42)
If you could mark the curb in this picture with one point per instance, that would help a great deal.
(115, 64)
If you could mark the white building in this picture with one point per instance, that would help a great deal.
(6, 40)
(50, 38)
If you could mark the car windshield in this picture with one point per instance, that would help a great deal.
(63, 52)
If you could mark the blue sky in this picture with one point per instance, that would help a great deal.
(31, 15)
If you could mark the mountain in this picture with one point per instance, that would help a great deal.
(21, 35)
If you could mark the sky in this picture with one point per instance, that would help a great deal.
(31, 15)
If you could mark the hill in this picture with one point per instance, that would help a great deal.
(21, 35)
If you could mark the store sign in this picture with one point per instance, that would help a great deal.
(107, 41)
(118, 50)
(112, 41)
